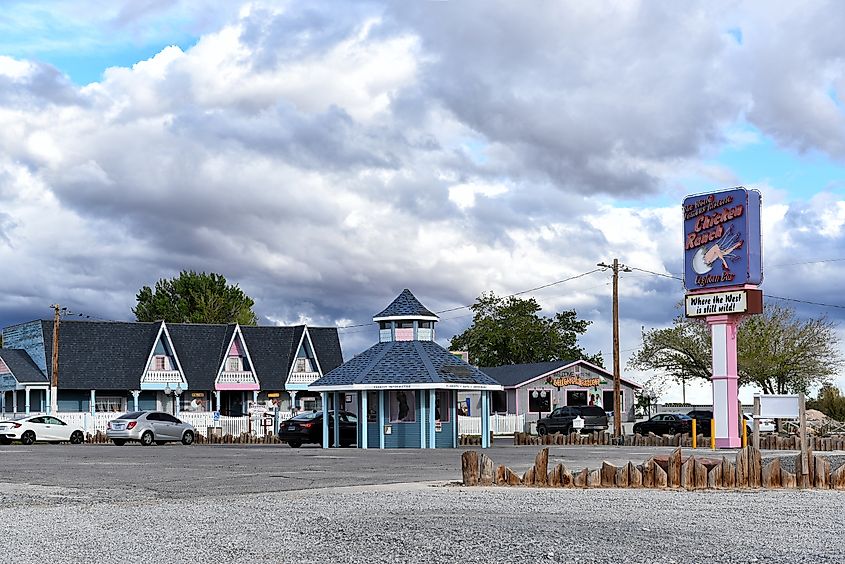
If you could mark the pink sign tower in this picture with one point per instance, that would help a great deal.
(722, 269)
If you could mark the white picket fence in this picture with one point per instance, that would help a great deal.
(201, 421)
(507, 424)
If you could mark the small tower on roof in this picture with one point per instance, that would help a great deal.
(406, 319)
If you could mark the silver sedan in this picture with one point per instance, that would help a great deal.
(148, 427)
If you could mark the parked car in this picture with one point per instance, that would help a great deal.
(766, 425)
(560, 420)
(308, 428)
(30, 428)
(665, 424)
(702, 420)
(148, 427)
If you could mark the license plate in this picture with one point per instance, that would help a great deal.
(291, 427)
(118, 427)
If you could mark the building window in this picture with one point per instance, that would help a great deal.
(441, 405)
(404, 324)
(193, 401)
(372, 406)
(384, 325)
(608, 400)
(539, 400)
(159, 363)
(425, 324)
(576, 397)
(233, 364)
(403, 406)
(309, 404)
(302, 365)
(113, 404)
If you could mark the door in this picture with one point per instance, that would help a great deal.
(40, 428)
(560, 420)
(159, 426)
(58, 429)
(170, 427)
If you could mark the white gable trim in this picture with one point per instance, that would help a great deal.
(237, 332)
(570, 365)
(295, 352)
(313, 350)
(162, 330)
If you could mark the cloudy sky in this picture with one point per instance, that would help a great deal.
(326, 155)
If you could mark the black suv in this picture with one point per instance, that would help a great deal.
(560, 420)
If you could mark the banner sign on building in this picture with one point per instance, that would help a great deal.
(722, 239)
(719, 303)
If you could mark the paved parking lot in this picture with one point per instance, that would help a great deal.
(276, 504)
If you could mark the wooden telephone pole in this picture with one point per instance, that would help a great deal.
(617, 388)
(54, 380)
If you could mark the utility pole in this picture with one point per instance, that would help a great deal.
(617, 389)
(54, 381)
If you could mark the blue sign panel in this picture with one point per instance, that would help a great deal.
(722, 245)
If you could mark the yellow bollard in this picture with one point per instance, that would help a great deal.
(712, 434)
(694, 435)
(744, 436)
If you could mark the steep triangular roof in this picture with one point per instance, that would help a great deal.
(405, 305)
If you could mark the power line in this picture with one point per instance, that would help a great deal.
(503, 297)
(803, 301)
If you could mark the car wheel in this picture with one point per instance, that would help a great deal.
(119, 442)
(187, 438)
(76, 438)
(295, 444)
(541, 430)
(28, 438)
(5, 441)
(147, 438)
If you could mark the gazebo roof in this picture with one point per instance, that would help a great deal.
(406, 305)
(408, 365)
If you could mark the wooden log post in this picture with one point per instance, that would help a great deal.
(608, 474)
(528, 477)
(566, 479)
(714, 477)
(635, 476)
(787, 479)
(770, 475)
(580, 480)
(553, 479)
(755, 467)
(837, 478)
(661, 479)
(512, 478)
(728, 474)
(648, 473)
(699, 475)
(541, 467)
(822, 468)
(594, 479)
(687, 477)
(622, 478)
(501, 475)
(469, 467)
(487, 472)
(673, 472)
(742, 468)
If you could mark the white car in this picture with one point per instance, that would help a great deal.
(30, 428)
(766, 425)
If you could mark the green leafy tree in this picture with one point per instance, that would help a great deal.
(829, 401)
(776, 351)
(511, 331)
(195, 298)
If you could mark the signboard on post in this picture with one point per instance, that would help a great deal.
(722, 240)
(719, 303)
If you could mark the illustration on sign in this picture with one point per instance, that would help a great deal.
(722, 239)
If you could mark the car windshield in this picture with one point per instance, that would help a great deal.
(308, 416)
(131, 415)
(681, 416)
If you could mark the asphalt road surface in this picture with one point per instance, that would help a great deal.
(101, 503)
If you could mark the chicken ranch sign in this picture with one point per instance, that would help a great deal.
(722, 239)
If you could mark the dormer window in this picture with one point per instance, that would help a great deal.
(302, 365)
(159, 363)
(233, 364)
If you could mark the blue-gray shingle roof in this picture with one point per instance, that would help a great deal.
(405, 305)
(403, 363)
(23, 368)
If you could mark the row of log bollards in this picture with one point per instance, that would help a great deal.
(744, 470)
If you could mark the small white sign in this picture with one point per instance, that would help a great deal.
(716, 303)
(388, 430)
(578, 423)
(779, 406)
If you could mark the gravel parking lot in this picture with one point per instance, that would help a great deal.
(94, 511)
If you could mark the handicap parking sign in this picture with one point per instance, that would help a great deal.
(216, 416)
